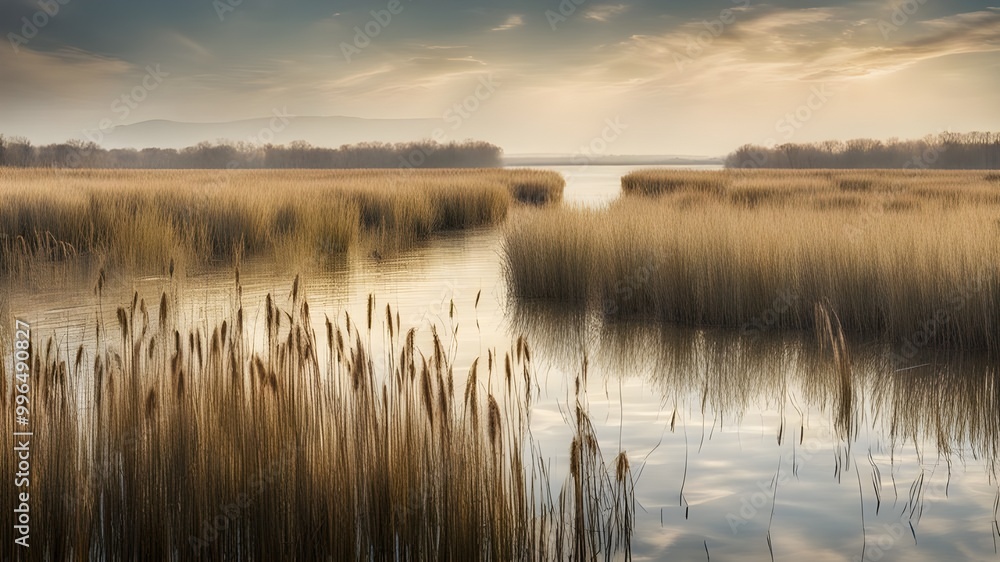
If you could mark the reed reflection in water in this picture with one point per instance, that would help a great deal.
(785, 445)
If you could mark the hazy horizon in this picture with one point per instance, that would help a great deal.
(621, 78)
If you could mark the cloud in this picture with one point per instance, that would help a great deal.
(63, 74)
(779, 44)
(189, 44)
(618, 58)
(468, 59)
(513, 21)
(441, 47)
(974, 32)
(605, 12)
(438, 62)
(413, 75)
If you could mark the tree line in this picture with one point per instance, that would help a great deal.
(20, 152)
(949, 151)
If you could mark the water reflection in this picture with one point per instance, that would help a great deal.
(747, 447)
(911, 446)
(952, 403)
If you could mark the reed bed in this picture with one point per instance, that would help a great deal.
(189, 442)
(144, 219)
(909, 257)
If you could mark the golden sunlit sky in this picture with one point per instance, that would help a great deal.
(689, 78)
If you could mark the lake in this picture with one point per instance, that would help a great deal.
(746, 447)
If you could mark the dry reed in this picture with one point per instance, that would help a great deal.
(145, 218)
(307, 449)
(908, 256)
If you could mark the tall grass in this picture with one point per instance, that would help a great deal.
(907, 256)
(191, 442)
(144, 218)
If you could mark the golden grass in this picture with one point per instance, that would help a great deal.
(146, 218)
(910, 256)
(185, 442)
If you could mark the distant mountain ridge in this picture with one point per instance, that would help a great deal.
(279, 128)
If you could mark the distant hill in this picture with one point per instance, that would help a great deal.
(319, 131)
(608, 160)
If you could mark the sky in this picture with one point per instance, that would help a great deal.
(550, 76)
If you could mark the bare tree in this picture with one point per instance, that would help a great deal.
(974, 150)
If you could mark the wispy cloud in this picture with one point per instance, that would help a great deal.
(468, 59)
(604, 12)
(513, 21)
(830, 43)
(441, 47)
(33, 74)
(189, 44)
(621, 56)
(419, 74)
(839, 56)
(436, 62)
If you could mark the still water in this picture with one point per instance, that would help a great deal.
(746, 448)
